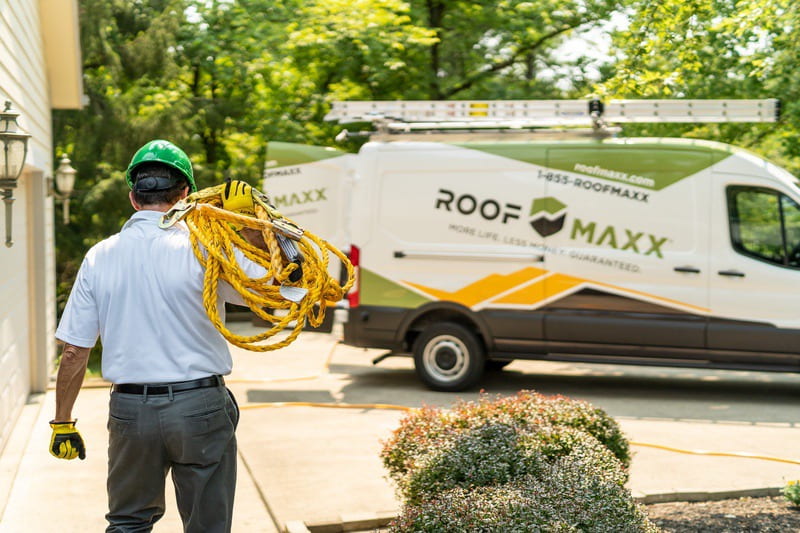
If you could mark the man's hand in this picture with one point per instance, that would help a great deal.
(254, 237)
(66, 442)
(238, 197)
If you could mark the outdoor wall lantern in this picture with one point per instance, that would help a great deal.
(13, 150)
(65, 183)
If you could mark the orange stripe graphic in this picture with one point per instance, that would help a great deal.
(541, 290)
(480, 290)
(545, 289)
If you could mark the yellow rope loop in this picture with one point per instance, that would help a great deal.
(333, 291)
(215, 240)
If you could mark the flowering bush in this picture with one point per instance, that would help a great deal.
(792, 492)
(495, 453)
(425, 431)
(562, 500)
(523, 463)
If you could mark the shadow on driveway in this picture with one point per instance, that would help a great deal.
(623, 391)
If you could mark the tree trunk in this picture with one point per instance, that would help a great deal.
(435, 16)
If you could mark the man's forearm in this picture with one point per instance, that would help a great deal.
(69, 379)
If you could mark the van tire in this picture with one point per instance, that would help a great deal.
(449, 357)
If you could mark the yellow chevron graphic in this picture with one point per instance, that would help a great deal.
(499, 289)
(543, 289)
(485, 288)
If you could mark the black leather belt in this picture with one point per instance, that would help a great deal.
(167, 388)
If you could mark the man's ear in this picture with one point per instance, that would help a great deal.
(185, 192)
(135, 205)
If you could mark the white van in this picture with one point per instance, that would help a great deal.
(473, 253)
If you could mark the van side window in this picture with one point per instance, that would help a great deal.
(791, 223)
(765, 225)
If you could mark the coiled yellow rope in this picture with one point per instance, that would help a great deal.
(214, 236)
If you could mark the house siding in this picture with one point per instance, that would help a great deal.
(27, 270)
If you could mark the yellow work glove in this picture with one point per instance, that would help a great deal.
(66, 442)
(238, 197)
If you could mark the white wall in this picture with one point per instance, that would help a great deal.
(27, 270)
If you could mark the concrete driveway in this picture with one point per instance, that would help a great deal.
(314, 416)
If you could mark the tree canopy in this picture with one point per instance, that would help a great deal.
(221, 78)
(714, 49)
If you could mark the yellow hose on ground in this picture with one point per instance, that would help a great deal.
(742, 455)
(214, 235)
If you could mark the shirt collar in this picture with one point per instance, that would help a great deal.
(145, 215)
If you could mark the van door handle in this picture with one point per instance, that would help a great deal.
(732, 273)
(689, 269)
(468, 255)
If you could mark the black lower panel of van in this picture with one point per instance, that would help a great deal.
(751, 336)
(594, 316)
(374, 327)
(590, 335)
(645, 355)
(642, 329)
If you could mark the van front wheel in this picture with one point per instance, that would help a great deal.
(448, 357)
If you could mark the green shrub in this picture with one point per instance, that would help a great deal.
(494, 454)
(792, 492)
(522, 463)
(487, 455)
(563, 499)
(425, 431)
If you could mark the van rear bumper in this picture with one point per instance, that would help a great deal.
(370, 326)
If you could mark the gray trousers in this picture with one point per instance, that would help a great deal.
(191, 433)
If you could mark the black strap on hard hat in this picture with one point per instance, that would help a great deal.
(154, 176)
(153, 184)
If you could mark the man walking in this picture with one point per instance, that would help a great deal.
(141, 291)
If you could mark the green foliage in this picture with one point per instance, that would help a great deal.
(423, 432)
(495, 454)
(792, 492)
(714, 49)
(487, 49)
(522, 463)
(563, 499)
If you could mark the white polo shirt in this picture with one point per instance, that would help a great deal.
(141, 292)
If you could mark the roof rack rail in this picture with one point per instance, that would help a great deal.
(406, 116)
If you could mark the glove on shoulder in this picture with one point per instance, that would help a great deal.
(238, 197)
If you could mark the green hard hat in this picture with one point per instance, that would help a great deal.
(160, 151)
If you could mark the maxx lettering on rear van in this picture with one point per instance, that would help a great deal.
(300, 198)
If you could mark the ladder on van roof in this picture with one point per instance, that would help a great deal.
(397, 116)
